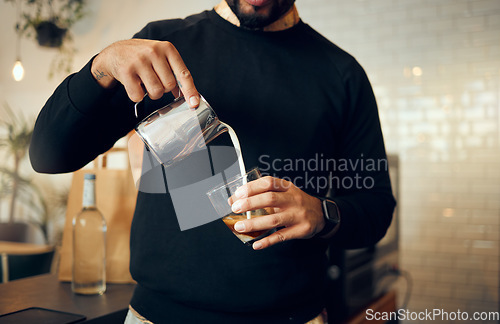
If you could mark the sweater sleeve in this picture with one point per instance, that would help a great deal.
(365, 199)
(82, 120)
(78, 122)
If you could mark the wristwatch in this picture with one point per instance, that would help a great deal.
(331, 215)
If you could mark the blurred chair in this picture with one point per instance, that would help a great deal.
(20, 232)
(17, 266)
(14, 232)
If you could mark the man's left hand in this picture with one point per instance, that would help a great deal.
(296, 214)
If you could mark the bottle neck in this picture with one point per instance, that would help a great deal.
(88, 193)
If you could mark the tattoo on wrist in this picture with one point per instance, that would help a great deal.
(99, 75)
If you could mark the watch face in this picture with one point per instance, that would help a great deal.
(332, 217)
(331, 211)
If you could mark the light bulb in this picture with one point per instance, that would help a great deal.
(18, 71)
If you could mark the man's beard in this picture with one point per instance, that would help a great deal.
(256, 21)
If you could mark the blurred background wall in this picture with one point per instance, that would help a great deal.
(435, 69)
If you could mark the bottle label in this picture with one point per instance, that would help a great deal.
(88, 193)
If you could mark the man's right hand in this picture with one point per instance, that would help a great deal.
(145, 65)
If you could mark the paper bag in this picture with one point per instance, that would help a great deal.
(115, 198)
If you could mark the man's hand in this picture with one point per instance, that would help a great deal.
(145, 65)
(300, 214)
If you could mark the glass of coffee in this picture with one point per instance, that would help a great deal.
(223, 196)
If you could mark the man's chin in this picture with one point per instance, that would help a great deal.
(254, 21)
(244, 9)
(257, 16)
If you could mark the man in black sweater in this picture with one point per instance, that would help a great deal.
(304, 112)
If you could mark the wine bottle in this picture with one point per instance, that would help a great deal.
(89, 244)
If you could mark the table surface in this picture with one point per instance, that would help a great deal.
(46, 291)
(23, 248)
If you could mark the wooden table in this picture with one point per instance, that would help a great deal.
(47, 291)
(23, 248)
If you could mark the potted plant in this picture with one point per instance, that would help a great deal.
(16, 143)
(38, 207)
(48, 21)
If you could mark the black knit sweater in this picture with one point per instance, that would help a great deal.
(303, 110)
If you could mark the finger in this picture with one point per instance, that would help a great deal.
(176, 92)
(263, 223)
(133, 87)
(183, 76)
(263, 200)
(231, 200)
(148, 65)
(164, 73)
(149, 69)
(151, 82)
(280, 236)
(262, 185)
(154, 70)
